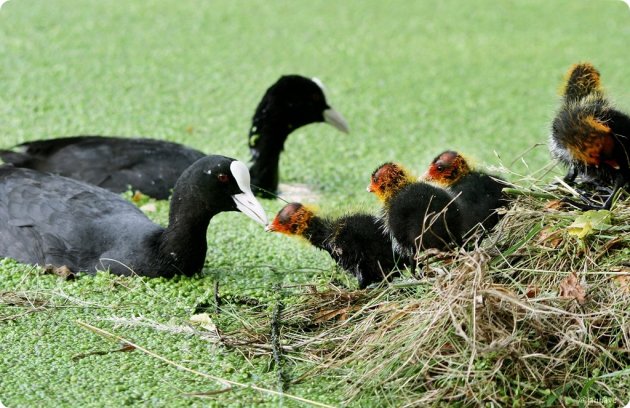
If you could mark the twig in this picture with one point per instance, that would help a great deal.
(530, 193)
(568, 187)
(522, 155)
(125, 348)
(217, 299)
(220, 380)
(276, 347)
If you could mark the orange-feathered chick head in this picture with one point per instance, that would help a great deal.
(292, 219)
(447, 169)
(388, 179)
(581, 80)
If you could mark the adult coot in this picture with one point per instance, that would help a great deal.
(153, 166)
(49, 219)
(293, 101)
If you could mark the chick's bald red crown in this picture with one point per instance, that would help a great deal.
(447, 168)
(388, 179)
(292, 219)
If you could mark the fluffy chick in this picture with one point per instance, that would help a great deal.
(418, 215)
(357, 242)
(478, 194)
(581, 80)
(592, 139)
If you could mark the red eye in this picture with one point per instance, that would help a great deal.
(223, 178)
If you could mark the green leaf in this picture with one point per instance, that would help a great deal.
(589, 222)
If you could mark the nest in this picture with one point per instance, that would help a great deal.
(535, 313)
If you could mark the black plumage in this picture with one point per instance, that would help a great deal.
(49, 219)
(292, 102)
(153, 166)
(114, 163)
(419, 216)
(357, 242)
(478, 194)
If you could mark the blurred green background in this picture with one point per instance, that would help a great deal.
(411, 78)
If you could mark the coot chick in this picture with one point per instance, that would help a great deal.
(479, 194)
(418, 215)
(357, 242)
(581, 81)
(49, 219)
(153, 166)
(592, 139)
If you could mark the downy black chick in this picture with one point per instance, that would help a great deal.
(478, 194)
(357, 242)
(418, 215)
(590, 136)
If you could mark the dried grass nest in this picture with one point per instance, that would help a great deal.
(538, 312)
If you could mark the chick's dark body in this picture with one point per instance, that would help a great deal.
(416, 211)
(358, 243)
(479, 195)
(590, 137)
(571, 141)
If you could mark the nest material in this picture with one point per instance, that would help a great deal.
(529, 315)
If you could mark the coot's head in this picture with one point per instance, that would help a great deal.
(293, 101)
(219, 184)
(447, 168)
(292, 219)
(388, 179)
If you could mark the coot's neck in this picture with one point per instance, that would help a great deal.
(318, 232)
(269, 143)
(182, 245)
(387, 204)
(396, 190)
